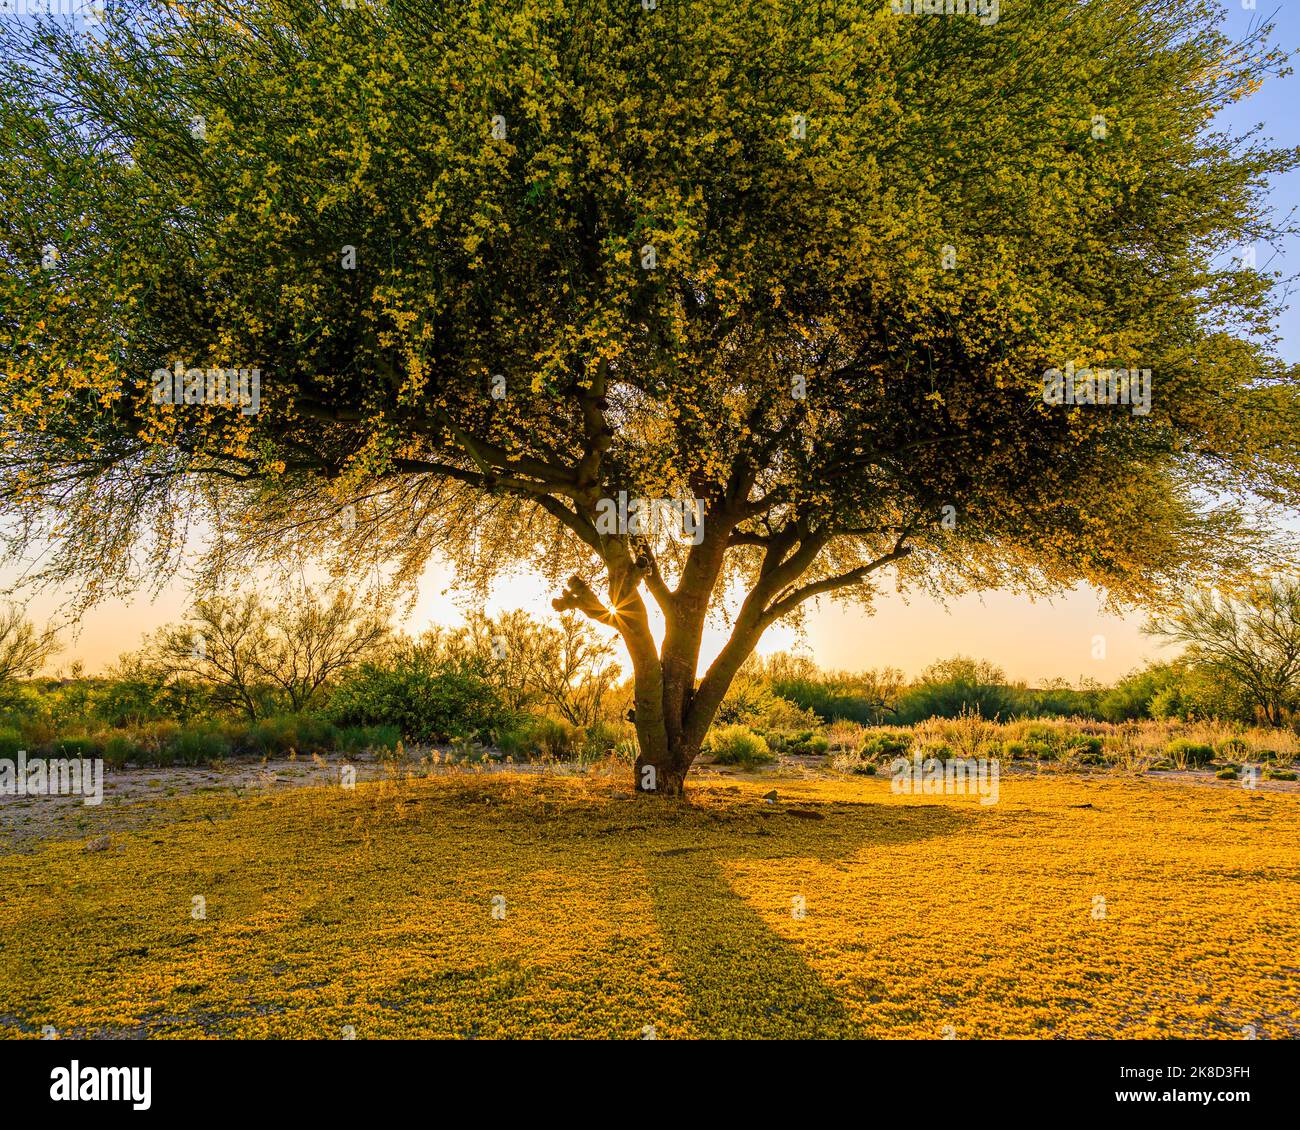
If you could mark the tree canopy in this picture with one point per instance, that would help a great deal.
(498, 265)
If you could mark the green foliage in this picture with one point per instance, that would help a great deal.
(196, 745)
(956, 686)
(277, 735)
(1188, 754)
(1233, 748)
(80, 745)
(360, 739)
(883, 747)
(120, 749)
(1250, 643)
(738, 745)
(645, 241)
(557, 739)
(428, 701)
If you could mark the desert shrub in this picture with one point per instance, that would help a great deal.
(600, 739)
(428, 700)
(153, 738)
(514, 741)
(1233, 747)
(939, 751)
(737, 745)
(885, 746)
(539, 735)
(844, 736)
(11, 741)
(38, 732)
(79, 745)
(121, 748)
(555, 738)
(1227, 773)
(1188, 754)
(196, 745)
(782, 714)
(954, 687)
(277, 735)
(358, 739)
(802, 743)
(1273, 773)
(747, 700)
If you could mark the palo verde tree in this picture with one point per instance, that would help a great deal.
(506, 269)
(1250, 639)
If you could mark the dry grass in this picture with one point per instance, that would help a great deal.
(373, 908)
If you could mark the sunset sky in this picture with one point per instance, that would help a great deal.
(1029, 640)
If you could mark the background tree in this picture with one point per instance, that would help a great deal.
(499, 265)
(215, 648)
(1251, 640)
(574, 669)
(23, 647)
(564, 665)
(950, 687)
(261, 655)
(307, 642)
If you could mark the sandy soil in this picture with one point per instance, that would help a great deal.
(131, 795)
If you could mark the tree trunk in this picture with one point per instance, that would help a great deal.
(661, 768)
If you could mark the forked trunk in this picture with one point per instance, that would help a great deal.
(661, 769)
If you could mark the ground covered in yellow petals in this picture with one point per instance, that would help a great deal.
(544, 906)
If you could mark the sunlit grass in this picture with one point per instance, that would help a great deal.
(372, 909)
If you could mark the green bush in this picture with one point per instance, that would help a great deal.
(1228, 773)
(277, 735)
(1189, 754)
(957, 686)
(81, 745)
(196, 745)
(359, 739)
(554, 738)
(1087, 748)
(1233, 747)
(11, 741)
(1029, 751)
(852, 763)
(534, 735)
(940, 751)
(121, 748)
(1275, 774)
(427, 701)
(803, 743)
(738, 745)
(600, 740)
(885, 747)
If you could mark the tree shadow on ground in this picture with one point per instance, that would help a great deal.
(743, 979)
